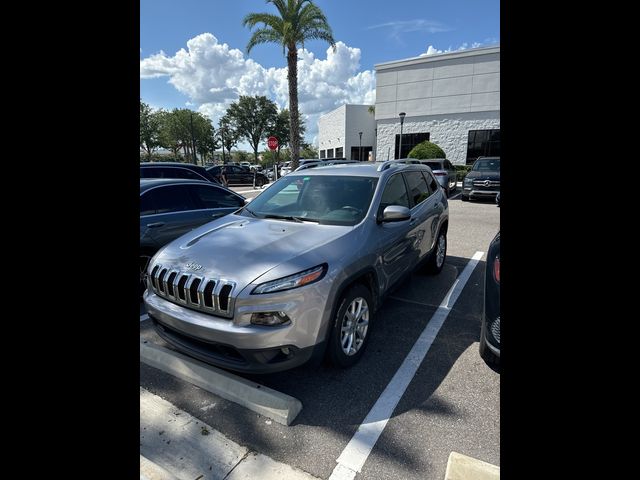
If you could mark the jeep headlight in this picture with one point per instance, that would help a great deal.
(296, 280)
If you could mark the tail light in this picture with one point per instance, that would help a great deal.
(439, 174)
(496, 269)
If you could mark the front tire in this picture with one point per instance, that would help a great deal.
(438, 255)
(351, 327)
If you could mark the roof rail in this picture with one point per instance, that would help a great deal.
(391, 163)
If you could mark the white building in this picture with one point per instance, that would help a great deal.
(451, 99)
(339, 133)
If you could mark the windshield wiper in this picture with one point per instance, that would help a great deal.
(286, 217)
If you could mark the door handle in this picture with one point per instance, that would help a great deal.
(155, 225)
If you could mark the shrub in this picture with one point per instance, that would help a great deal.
(461, 171)
(426, 150)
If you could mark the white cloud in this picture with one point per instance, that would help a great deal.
(431, 50)
(213, 75)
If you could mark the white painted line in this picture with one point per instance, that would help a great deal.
(359, 447)
(455, 196)
(144, 317)
(272, 404)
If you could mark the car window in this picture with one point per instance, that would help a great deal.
(172, 198)
(214, 197)
(434, 165)
(395, 193)
(431, 181)
(489, 164)
(184, 173)
(418, 189)
(147, 207)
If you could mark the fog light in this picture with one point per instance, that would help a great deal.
(286, 351)
(269, 318)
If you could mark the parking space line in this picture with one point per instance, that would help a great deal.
(352, 458)
(144, 317)
(455, 196)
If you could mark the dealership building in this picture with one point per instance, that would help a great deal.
(451, 99)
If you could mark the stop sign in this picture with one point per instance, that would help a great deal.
(272, 143)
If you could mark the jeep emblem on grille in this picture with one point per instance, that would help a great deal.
(194, 266)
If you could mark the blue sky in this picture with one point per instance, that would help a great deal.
(185, 62)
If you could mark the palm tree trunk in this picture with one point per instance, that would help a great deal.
(292, 76)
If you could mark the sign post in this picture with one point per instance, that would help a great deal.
(272, 143)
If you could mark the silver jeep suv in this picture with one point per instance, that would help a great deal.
(299, 272)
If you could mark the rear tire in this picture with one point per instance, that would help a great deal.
(485, 353)
(438, 255)
(351, 327)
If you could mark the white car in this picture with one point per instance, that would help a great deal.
(286, 168)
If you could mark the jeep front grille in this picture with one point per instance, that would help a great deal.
(210, 295)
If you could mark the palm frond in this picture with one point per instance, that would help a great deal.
(263, 35)
(252, 19)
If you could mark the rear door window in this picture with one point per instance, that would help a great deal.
(418, 189)
(172, 198)
(147, 207)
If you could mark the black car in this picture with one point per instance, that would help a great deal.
(238, 175)
(490, 330)
(483, 181)
(175, 170)
(170, 208)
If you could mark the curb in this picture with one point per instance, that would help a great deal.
(275, 405)
(462, 467)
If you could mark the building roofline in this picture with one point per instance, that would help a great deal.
(438, 56)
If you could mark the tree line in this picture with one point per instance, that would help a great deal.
(186, 133)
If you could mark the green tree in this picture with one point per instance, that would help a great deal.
(227, 135)
(298, 21)
(253, 118)
(149, 129)
(282, 126)
(426, 150)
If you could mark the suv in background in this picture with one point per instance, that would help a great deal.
(186, 171)
(238, 175)
(301, 270)
(483, 180)
(444, 171)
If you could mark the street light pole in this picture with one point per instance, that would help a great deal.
(360, 151)
(401, 114)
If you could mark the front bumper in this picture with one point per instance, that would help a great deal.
(474, 192)
(236, 344)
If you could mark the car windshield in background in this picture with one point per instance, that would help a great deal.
(486, 165)
(434, 165)
(325, 199)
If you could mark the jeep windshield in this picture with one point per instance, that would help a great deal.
(324, 199)
(486, 165)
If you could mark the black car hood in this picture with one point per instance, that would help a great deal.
(487, 175)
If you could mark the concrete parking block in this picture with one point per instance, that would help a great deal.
(263, 400)
(462, 467)
(260, 466)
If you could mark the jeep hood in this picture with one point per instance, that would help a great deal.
(242, 249)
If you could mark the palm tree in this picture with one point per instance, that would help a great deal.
(299, 20)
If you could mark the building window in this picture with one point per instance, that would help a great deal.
(323, 154)
(330, 153)
(361, 154)
(339, 152)
(482, 143)
(409, 140)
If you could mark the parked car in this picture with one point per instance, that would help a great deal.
(238, 175)
(285, 169)
(175, 170)
(443, 170)
(171, 207)
(323, 163)
(490, 330)
(299, 272)
(483, 180)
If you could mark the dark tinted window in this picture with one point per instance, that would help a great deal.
(323, 154)
(339, 152)
(147, 206)
(395, 193)
(169, 172)
(214, 197)
(483, 143)
(487, 164)
(172, 198)
(433, 183)
(418, 189)
(434, 165)
(409, 140)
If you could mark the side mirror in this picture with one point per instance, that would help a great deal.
(395, 213)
